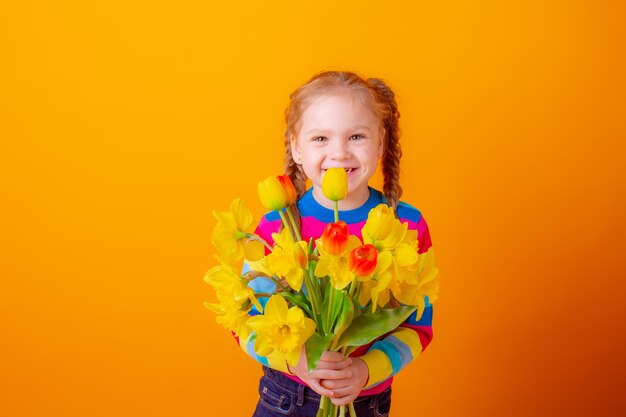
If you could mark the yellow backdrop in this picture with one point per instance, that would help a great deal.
(123, 124)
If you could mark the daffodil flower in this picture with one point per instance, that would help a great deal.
(375, 286)
(336, 265)
(281, 329)
(288, 259)
(230, 288)
(232, 319)
(229, 233)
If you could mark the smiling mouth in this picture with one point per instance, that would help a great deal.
(348, 170)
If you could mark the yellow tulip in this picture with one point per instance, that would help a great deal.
(335, 184)
(382, 229)
(281, 329)
(272, 194)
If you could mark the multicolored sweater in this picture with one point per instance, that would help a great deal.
(389, 354)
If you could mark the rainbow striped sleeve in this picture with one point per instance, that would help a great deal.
(266, 227)
(386, 357)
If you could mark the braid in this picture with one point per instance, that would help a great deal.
(298, 178)
(392, 152)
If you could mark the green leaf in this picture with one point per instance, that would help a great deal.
(370, 326)
(299, 300)
(346, 315)
(315, 346)
(339, 299)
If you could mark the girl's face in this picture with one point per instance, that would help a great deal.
(337, 131)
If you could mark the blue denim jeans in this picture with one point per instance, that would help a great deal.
(280, 396)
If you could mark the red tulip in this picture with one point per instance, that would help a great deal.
(362, 260)
(290, 190)
(335, 237)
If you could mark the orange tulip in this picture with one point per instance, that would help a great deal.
(335, 237)
(362, 260)
(290, 190)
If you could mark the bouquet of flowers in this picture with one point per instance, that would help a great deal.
(336, 293)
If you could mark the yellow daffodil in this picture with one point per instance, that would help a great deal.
(231, 289)
(335, 184)
(336, 265)
(230, 230)
(281, 329)
(288, 259)
(232, 319)
(272, 194)
(417, 281)
(382, 229)
(375, 286)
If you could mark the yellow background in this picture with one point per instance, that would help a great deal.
(123, 124)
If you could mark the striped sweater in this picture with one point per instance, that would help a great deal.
(389, 354)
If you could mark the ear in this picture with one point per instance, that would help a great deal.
(296, 154)
(381, 143)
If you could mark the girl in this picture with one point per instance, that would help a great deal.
(340, 120)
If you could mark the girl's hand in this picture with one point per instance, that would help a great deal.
(345, 390)
(332, 366)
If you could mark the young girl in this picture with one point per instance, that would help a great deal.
(340, 120)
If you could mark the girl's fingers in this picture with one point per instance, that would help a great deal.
(329, 356)
(330, 374)
(342, 400)
(334, 364)
(315, 386)
(339, 386)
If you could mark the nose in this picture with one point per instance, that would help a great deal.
(340, 149)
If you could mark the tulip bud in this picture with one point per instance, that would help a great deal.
(335, 237)
(335, 184)
(362, 260)
(272, 194)
(380, 222)
(290, 190)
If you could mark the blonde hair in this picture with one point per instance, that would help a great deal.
(372, 92)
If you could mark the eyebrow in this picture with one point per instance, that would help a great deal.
(361, 127)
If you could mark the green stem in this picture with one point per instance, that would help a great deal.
(352, 286)
(323, 404)
(286, 224)
(293, 224)
(352, 411)
(277, 282)
(329, 313)
(260, 239)
(342, 411)
(309, 288)
(331, 409)
(336, 211)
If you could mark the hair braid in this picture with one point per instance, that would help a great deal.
(392, 151)
(298, 178)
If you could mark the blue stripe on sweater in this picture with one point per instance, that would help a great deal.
(393, 352)
(425, 320)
